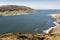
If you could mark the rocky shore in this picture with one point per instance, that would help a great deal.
(56, 30)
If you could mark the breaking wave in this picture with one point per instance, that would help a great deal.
(48, 30)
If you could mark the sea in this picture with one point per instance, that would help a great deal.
(36, 22)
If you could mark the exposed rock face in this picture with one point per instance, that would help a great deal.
(23, 36)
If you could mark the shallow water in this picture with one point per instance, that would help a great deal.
(29, 23)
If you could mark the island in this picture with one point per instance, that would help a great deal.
(11, 10)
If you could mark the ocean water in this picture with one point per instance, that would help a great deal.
(29, 23)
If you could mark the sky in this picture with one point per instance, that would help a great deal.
(36, 4)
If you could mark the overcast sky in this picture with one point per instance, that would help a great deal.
(36, 4)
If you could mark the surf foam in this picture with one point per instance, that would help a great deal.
(48, 30)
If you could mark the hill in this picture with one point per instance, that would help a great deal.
(14, 10)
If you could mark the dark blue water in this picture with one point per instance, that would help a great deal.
(28, 23)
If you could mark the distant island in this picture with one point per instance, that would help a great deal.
(11, 10)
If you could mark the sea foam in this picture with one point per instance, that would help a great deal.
(48, 30)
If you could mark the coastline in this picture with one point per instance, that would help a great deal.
(12, 13)
(48, 31)
(52, 29)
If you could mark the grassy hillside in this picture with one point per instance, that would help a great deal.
(15, 10)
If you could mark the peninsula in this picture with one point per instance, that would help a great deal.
(11, 10)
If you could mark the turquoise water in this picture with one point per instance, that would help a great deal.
(29, 23)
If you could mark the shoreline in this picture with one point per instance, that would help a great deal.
(16, 14)
(48, 31)
(12, 13)
(51, 29)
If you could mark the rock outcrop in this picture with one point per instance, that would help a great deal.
(57, 29)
